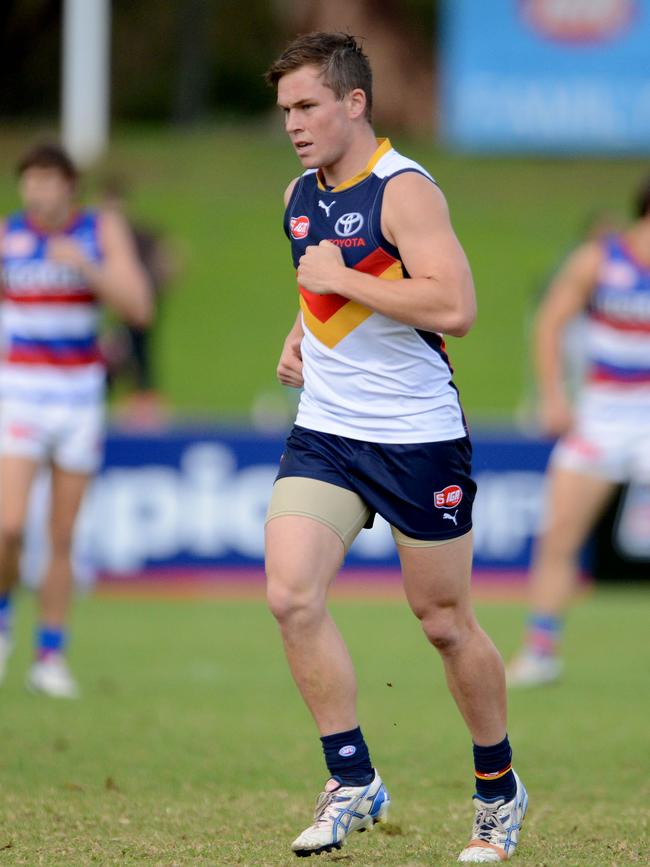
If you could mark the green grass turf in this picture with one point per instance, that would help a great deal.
(217, 193)
(191, 746)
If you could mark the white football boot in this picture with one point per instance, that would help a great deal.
(496, 827)
(340, 810)
(51, 676)
(533, 669)
(6, 646)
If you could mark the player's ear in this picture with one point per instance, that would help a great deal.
(356, 103)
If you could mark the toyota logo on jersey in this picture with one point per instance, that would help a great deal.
(448, 498)
(299, 227)
(348, 224)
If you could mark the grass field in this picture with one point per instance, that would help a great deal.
(191, 746)
(217, 194)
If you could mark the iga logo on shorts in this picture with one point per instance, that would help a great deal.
(448, 498)
(299, 227)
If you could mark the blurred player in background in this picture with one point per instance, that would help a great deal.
(380, 429)
(60, 264)
(605, 439)
(575, 361)
(128, 348)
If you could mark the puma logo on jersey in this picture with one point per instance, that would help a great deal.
(451, 517)
(326, 208)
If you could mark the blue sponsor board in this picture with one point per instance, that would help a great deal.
(546, 75)
(188, 499)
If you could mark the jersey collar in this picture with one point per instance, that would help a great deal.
(384, 146)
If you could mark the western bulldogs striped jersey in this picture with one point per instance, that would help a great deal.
(366, 376)
(619, 321)
(50, 316)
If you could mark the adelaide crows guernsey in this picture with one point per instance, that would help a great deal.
(50, 317)
(366, 376)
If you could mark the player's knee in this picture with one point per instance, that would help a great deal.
(444, 628)
(11, 535)
(558, 545)
(61, 542)
(290, 605)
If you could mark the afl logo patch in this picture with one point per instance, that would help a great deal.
(349, 224)
(299, 227)
(448, 498)
(348, 751)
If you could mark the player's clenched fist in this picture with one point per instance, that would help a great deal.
(319, 268)
(67, 252)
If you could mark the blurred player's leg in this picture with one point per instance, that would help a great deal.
(303, 557)
(437, 584)
(575, 501)
(49, 673)
(17, 475)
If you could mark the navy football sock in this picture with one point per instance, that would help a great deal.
(493, 769)
(347, 757)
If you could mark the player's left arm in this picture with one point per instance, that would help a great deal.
(439, 293)
(119, 280)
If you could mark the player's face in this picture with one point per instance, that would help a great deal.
(317, 123)
(46, 193)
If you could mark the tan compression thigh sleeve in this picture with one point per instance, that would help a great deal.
(341, 510)
(408, 542)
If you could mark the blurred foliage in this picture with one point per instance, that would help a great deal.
(184, 60)
(30, 40)
(420, 16)
(208, 54)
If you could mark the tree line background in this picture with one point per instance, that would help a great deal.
(195, 60)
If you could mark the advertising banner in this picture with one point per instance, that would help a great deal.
(546, 75)
(188, 501)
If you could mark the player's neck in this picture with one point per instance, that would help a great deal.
(353, 161)
(52, 221)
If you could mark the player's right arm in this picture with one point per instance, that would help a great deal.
(289, 369)
(566, 297)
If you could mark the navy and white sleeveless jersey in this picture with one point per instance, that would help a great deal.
(50, 317)
(619, 325)
(366, 376)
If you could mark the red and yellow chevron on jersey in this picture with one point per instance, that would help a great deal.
(332, 317)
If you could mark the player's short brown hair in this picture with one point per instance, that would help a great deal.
(48, 156)
(338, 56)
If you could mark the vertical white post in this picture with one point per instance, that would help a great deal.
(85, 86)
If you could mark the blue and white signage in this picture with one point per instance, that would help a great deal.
(187, 500)
(546, 75)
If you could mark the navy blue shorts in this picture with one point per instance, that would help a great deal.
(425, 490)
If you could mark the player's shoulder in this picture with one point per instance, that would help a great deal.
(291, 189)
(393, 164)
(585, 261)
